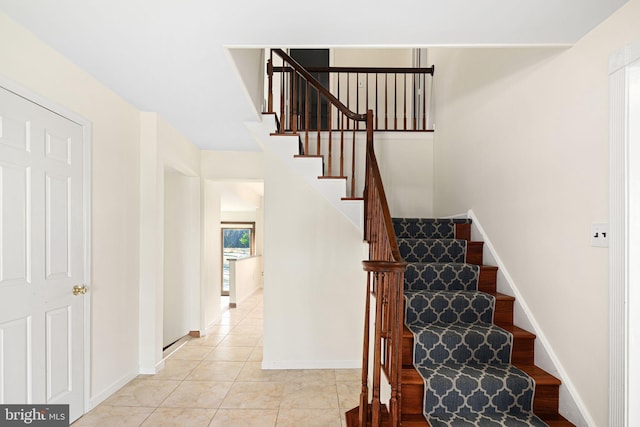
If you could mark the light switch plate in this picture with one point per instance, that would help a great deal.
(600, 234)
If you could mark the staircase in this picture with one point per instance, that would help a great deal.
(434, 323)
(459, 341)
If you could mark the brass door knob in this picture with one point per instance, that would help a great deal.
(80, 290)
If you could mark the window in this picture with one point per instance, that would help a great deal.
(238, 241)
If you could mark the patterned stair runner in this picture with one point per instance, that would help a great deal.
(463, 358)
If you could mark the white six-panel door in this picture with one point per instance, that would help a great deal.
(41, 256)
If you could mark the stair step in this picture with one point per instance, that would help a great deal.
(425, 307)
(488, 278)
(547, 390)
(503, 314)
(522, 352)
(556, 420)
(463, 231)
(332, 177)
(433, 250)
(545, 401)
(435, 276)
(429, 228)
(474, 253)
(461, 343)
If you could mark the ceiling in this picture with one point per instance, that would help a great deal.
(177, 57)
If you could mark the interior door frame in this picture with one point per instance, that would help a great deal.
(58, 109)
(624, 297)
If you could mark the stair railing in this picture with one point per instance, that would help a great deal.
(306, 108)
(385, 267)
(385, 280)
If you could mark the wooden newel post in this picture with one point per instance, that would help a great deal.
(270, 94)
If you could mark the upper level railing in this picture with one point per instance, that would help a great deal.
(399, 97)
(327, 107)
(385, 267)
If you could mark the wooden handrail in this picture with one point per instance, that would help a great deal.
(385, 279)
(318, 86)
(385, 266)
(398, 94)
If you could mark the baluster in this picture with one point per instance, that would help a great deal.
(294, 103)
(424, 101)
(330, 108)
(353, 163)
(283, 117)
(364, 390)
(404, 94)
(306, 118)
(318, 120)
(342, 146)
(415, 104)
(270, 74)
(377, 101)
(386, 102)
(357, 124)
(348, 96)
(395, 101)
(375, 402)
(367, 91)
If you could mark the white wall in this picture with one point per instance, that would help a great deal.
(522, 140)
(211, 272)
(406, 166)
(314, 285)
(115, 194)
(181, 255)
(161, 147)
(245, 277)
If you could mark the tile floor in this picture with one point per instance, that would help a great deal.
(217, 381)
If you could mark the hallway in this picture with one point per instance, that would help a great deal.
(217, 381)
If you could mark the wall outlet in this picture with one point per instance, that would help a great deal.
(600, 234)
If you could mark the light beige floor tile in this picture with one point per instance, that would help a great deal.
(245, 418)
(210, 340)
(105, 415)
(211, 370)
(253, 372)
(256, 355)
(174, 369)
(348, 375)
(198, 394)
(230, 354)
(240, 340)
(191, 352)
(318, 376)
(142, 392)
(180, 417)
(310, 396)
(264, 395)
(348, 395)
(308, 418)
(219, 330)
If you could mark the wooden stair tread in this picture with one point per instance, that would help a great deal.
(518, 332)
(332, 177)
(540, 376)
(555, 420)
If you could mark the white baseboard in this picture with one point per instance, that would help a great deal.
(312, 364)
(571, 405)
(98, 398)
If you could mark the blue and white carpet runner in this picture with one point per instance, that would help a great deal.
(462, 356)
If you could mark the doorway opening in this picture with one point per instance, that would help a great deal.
(238, 241)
